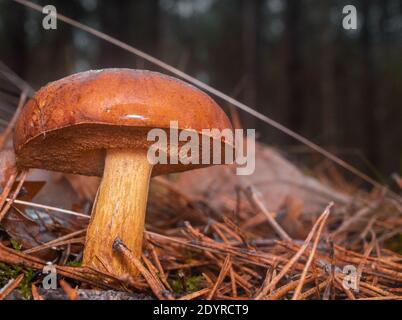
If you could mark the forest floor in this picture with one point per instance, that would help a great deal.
(205, 242)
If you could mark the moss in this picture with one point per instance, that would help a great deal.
(176, 285)
(194, 283)
(26, 283)
(74, 263)
(188, 284)
(16, 245)
(7, 273)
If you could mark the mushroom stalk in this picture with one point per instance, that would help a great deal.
(119, 211)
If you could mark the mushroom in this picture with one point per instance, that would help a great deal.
(95, 123)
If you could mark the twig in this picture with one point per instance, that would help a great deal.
(311, 291)
(155, 271)
(222, 274)
(382, 298)
(7, 188)
(159, 265)
(280, 292)
(195, 295)
(9, 129)
(10, 286)
(347, 291)
(55, 242)
(263, 290)
(5, 209)
(311, 257)
(86, 275)
(15, 79)
(35, 293)
(356, 217)
(233, 281)
(296, 257)
(256, 202)
(70, 292)
(156, 286)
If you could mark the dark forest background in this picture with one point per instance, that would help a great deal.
(289, 59)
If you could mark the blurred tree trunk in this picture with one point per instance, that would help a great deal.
(151, 38)
(293, 65)
(384, 17)
(154, 32)
(15, 41)
(137, 24)
(388, 115)
(110, 19)
(367, 89)
(327, 76)
(251, 43)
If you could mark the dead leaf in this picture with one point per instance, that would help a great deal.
(275, 178)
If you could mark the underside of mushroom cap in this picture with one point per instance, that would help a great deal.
(70, 123)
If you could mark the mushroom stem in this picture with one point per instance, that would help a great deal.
(119, 211)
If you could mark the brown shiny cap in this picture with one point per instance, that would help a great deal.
(70, 123)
